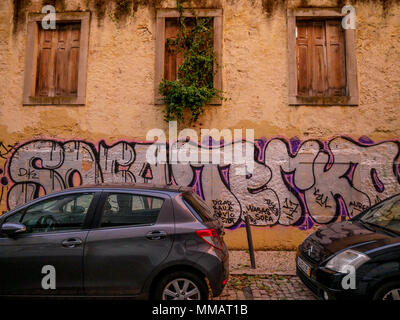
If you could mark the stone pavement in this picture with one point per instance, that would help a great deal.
(273, 279)
(267, 262)
(265, 287)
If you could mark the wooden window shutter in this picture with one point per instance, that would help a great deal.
(336, 58)
(303, 63)
(58, 61)
(172, 59)
(74, 59)
(320, 58)
(319, 61)
(44, 76)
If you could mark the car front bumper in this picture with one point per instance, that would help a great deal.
(326, 284)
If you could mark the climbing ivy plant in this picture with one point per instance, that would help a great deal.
(193, 88)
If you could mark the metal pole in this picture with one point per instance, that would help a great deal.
(250, 242)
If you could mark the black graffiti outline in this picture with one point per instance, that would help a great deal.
(94, 152)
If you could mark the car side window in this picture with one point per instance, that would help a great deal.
(66, 212)
(123, 209)
(15, 217)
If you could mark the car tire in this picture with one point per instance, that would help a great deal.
(192, 287)
(388, 291)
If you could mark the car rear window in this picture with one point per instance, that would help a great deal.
(198, 207)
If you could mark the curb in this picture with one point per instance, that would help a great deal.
(261, 272)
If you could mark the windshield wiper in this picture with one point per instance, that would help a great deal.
(367, 225)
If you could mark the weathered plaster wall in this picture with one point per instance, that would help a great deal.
(120, 108)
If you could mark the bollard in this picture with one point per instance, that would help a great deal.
(250, 242)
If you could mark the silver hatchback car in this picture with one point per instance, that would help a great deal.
(142, 241)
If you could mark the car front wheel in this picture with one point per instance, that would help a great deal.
(389, 291)
(181, 286)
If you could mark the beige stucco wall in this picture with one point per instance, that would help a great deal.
(120, 84)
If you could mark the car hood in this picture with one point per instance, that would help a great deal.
(335, 237)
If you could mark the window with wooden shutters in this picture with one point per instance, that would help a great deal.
(173, 59)
(322, 66)
(58, 61)
(55, 70)
(168, 61)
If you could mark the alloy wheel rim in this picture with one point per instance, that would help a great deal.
(181, 289)
(393, 294)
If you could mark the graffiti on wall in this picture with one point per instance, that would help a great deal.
(4, 152)
(294, 183)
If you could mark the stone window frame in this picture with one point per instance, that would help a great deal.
(31, 52)
(162, 14)
(350, 53)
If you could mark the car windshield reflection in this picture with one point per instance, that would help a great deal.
(385, 215)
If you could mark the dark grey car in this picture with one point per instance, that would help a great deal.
(114, 240)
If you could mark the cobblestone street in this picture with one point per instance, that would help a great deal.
(265, 287)
(273, 279)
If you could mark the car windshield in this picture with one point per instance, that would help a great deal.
(385, 215)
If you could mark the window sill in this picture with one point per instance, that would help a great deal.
(54, 101)
(323, 101)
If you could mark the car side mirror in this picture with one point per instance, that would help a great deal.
(10, 229)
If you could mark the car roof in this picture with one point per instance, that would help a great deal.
(141, 186)
(117, 186)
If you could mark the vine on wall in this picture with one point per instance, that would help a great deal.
(194, 87)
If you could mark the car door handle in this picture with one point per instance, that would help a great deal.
(156, 235)
(71, 243)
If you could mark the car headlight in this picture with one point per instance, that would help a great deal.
(347, 258)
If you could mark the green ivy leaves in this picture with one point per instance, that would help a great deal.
(179, 96)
